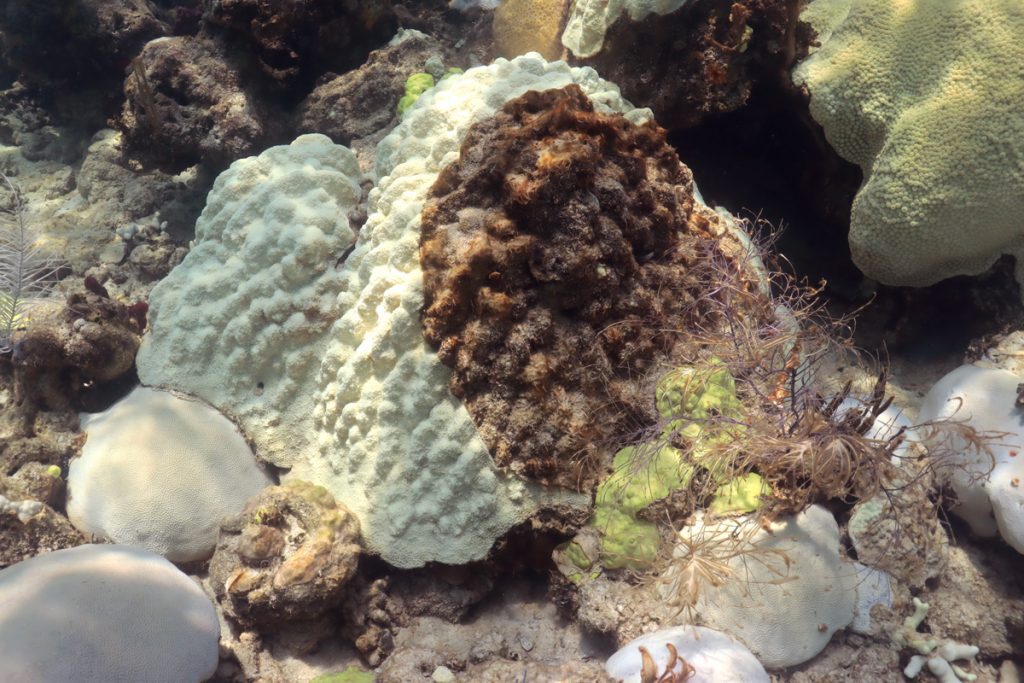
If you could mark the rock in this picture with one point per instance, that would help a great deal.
(287, 557)
(898, 530)
(189, 99)
(363, 101)
(296, 40)
(43, 532)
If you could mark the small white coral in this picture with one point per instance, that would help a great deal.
(789, 593)
(987, 481)
(160, 472)
(938, 656)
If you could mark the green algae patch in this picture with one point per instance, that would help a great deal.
(740, 495)
(417, 84)
(353, 674)
(701, 407)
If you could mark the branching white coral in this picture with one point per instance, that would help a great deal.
(937, 655)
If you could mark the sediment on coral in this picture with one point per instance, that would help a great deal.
(564, 259)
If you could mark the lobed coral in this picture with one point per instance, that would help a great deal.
(925, 97)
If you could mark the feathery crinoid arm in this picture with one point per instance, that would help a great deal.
(27, 271)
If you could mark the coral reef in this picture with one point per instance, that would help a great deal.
(260, 270)
(924, 100)
(562, 261)
(287, 557)
(382, 432)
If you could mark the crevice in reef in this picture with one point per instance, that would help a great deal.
(769, 160)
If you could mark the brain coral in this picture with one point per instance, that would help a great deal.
(562, 261)
(926, 97)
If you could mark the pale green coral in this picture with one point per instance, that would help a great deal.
(926, 98)
(417, 84)
(693, 400)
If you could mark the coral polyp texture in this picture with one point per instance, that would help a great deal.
(925, 97)
(242, 321)
(561, 260)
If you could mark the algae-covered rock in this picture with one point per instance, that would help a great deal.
(287, 557)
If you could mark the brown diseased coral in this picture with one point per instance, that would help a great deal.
(562, 258)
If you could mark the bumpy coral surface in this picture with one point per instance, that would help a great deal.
(561, 262)
(320, 352)
(288, 556)
(241, 321)
(925, 97)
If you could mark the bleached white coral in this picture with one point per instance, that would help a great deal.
(328, 372)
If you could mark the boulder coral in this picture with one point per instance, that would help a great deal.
(293, 40)
(159, 471)
(104, 613)
(325, 364)
(925, 98)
